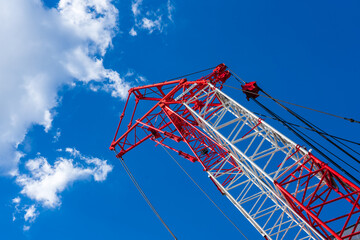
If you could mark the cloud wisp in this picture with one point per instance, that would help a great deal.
(43, 183)
(150, 20)
(43, 49)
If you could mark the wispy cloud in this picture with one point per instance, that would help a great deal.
(43, 183)
(30, 214)
(150, 20)
(170, 10)
(133, 32)
(57, 135)
(114, 87)
(16, 201)
(26, 228)
(135, 7)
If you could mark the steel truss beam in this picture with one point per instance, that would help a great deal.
(282, 189)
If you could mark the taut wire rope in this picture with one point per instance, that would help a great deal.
(144, 196)
(203, 191)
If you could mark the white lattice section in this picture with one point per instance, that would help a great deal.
(262, 155)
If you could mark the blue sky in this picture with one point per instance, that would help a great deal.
(66, 67)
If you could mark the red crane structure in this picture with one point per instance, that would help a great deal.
(283, 190)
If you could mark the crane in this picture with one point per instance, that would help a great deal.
(281, 188)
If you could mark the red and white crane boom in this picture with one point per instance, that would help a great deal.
(281, 188)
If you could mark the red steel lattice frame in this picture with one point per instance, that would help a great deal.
(306, 186)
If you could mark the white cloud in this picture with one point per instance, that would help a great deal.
(135, 7)
(57, 135)
(73, 152)
(133, 76)
(16, 200)
(83, 17)
(152, 25)
(115, 85)
(100, 170)
(43, 49)
(170, 9)
(45, 182)
(133, 32)
(30, 214)
(141, 79)
(150, 20)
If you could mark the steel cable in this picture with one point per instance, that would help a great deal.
(315, 110)
(204, 192)
(309, 129)
(296, 132)
(312, 127)
(145, 197)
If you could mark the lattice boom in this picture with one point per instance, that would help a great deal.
(281, 188)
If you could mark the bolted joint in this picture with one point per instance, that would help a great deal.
(220, 68)
(173, 137)
(161, 104)
(112, 146)
(182, 81)
(187, 156)
(120, 154)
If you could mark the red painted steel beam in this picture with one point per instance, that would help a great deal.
(317, 186)
(343, 192)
